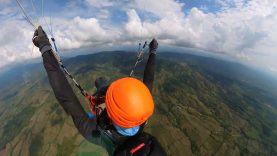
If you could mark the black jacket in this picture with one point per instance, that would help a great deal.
(87, 127)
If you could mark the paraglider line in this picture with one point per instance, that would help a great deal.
(139, 57)
(27, 17)
(42, 14)
(34, 9)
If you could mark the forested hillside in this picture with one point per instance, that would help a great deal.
(203, 106)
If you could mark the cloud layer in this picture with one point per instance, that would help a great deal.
(244, 30)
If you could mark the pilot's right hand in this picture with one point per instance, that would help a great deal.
(153, 46)
(41, 40)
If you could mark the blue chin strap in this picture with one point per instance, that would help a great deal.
(126, 131)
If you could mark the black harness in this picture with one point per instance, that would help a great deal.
(141, 144)
(137, 145)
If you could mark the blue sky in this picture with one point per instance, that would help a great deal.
(244, 30)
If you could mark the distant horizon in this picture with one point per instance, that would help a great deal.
(189, 51)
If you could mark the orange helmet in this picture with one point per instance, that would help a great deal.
(129, 103)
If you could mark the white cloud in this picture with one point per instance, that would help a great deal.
(161, 8)
(4, 1)
(134, 26)
(15, 43)
(5, 11)
(103, 14)
(241, 29)
(100, 3)
(80, 32)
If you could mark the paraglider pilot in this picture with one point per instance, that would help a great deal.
(128, 106)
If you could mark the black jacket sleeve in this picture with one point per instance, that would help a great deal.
(66, 96)
(149, 71)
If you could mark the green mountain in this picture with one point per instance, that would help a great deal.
(203, 106)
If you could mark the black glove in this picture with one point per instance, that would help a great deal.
(41, 40)
(102, 85)
(100, 82)
(153, 46)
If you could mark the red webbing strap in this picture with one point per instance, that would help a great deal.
(91, 100)
(137, 148)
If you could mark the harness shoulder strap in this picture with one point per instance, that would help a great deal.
(139, 145)
(143, 144)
